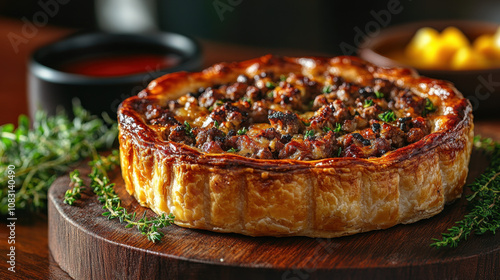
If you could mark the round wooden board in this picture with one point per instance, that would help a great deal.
(88, 246)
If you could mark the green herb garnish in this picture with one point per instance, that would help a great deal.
(309, 133)
(219, 103)
(379, 94)
(327, 89)
(368, 103)
(282, 78)
(429, 107)
(326, 129)
(270, 85)
(45, 149)
(339, 152)
(216, 124)
(232, 150)
(387, 116)
(242, 131)
(338, 128)
(483, 203)
(189, 129)
(246, 99)
(104, 189)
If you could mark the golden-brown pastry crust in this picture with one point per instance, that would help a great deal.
(320, 198)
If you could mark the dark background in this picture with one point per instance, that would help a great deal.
(316, 25)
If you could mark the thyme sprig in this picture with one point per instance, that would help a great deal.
(44, 148)
(106, 195)
(484, 202)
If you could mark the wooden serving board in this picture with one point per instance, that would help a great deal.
(88, 246)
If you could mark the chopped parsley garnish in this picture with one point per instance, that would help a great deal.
(387, 116)
(338, 128)
(232, 150)
(270, 85)
(368, 103)
(270, 94)
(326, 129)
(327, 89)
(339, 152)
(219, 103)
(242, 131)
(429, 107)
(379, 94)
(216, 124)
(309, 133)
(246, 99)
(282, 78)
(189, 129)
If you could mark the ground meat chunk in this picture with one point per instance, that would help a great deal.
(212, 147)
(288, 95)
(209, 135)
(253, 93)
(180, 134)
(410, 103)
(286, 122)
(395, 135)
(210, 96)
(323, 147)
(249, 147)
(236, 91)
(414, 135)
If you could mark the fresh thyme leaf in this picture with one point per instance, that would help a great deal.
(368, 103)
(327, 89)
(483, 203)
(246, 99)
(387, 116)
(242, 131)
(45, 149)
(379, 94)
(429, 107)
(189, 129)
(309, 133)
(270, 85)
(338, 128)
(104, 189)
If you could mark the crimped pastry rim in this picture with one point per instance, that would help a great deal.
(428, 142)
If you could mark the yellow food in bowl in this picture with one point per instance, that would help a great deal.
(451, 49)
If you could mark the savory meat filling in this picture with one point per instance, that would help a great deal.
(295, 117)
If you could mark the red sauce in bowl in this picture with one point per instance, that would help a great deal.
(120, 64)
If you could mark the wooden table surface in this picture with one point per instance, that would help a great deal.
(33, 260)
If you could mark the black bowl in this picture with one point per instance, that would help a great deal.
(51, 89)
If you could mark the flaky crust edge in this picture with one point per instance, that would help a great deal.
(324, 198)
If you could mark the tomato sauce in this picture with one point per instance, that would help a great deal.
(120, 64)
